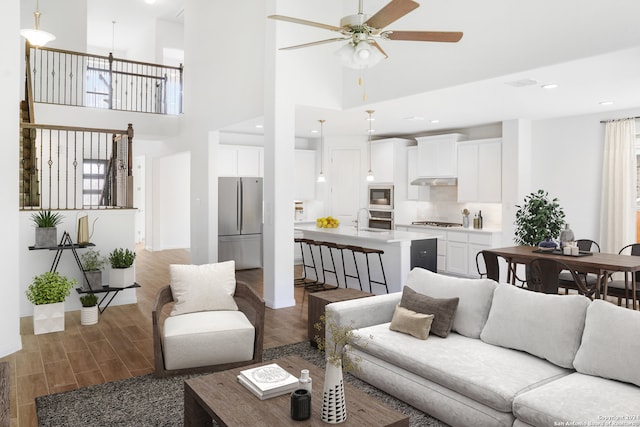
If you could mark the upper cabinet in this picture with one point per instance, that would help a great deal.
(305, 175)
(480, 171)
(382, 160)
(437, 155)
(413, 191)
(238, 160)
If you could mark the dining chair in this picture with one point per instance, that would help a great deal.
(617, 288)
(543, 277)
(589, 279)
(491, 267)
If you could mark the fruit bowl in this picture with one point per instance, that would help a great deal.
(327, 222)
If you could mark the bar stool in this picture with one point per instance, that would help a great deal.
(304, 279)
(342, 248)
(325, 270)
(367, 252)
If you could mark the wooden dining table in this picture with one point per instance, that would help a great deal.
(598, 263)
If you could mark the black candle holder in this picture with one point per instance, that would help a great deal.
(300, 404)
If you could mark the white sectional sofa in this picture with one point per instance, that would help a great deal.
(513, 357)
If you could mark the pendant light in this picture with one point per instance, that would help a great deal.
(321, 177)
(36, 37)
(370, 176)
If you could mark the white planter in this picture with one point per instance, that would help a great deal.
(89, 315)
(48, 318)
(122, 277)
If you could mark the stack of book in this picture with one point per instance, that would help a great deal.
(268, 381)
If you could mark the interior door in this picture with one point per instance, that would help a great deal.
(345, 184)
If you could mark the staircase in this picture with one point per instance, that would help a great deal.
(29, 185)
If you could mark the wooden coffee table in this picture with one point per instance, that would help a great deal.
(221, 397)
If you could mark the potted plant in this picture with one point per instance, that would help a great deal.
(92, 265)
(48, 292)
(89, 310)
(46, 223)
(122, 272)
(537, 219)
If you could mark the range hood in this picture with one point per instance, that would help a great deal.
(435, 181)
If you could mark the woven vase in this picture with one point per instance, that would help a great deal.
(334, 409)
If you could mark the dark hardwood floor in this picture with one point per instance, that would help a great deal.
(121, 344)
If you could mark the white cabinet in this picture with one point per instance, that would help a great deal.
(437, 155)
(237, 160)
(413, 191)
(480, 171)
(382, 161)
(457, 252)
(304, 175)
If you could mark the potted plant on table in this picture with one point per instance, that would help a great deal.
(538, 219)
(46, 223)
(48, 292)
(89, 311)
(122, 272)
(92, 265)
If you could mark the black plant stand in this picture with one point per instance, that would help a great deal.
(106, 290)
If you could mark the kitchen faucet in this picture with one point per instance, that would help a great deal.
(358, 217)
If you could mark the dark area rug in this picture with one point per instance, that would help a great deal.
(148, 401)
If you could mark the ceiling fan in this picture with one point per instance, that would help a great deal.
(363, 31)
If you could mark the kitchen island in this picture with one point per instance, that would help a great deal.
(403, 250)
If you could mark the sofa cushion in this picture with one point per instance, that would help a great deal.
(442, 309)
(475, 297)
(610, 343)
(579, 399)
(203, 287)
(485, 373)
(207, 338)
(547, 326)
(410, 322)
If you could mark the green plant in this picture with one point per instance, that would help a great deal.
(121, 258)
(537, 219)
(92, 260)
(341, 335)
(89, 300)
(49, 288)
(46, 219)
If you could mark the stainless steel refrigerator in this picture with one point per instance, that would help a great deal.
(240, 221)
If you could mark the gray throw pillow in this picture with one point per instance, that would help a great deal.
(443, 309)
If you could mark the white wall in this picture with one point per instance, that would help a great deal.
(65, 19)
(168, 35)
(9, 255)
(114, 228)
(566, 161)
(171, 201)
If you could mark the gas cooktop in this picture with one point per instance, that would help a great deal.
(437, 223)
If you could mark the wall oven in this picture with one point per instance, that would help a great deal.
(382, 220)
(380, 197)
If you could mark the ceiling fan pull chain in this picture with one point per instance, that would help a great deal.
(361, 82)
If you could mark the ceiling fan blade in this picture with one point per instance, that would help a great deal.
(425, 36)
(304, 22)
(393, 11)
(377, 46)
(298, 46)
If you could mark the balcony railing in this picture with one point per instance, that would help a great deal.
(76, 168)
(80, 79)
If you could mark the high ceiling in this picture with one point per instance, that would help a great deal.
(589, 48)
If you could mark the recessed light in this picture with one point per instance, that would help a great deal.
(371, 130)
(150, 1)
(549, 86)
(414, 118)
(434, 121)
(314, 131)
(606, 103)
(259, 126)
(370, 119)
(522, 83)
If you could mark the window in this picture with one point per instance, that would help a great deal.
(93, 181)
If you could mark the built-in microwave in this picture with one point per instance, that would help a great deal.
(381, 219)
(381, 196)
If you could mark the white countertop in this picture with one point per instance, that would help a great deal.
(388, 236)
(460, 228)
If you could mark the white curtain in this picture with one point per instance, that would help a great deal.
(619, 176)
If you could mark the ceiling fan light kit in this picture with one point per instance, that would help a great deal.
(362, 31)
